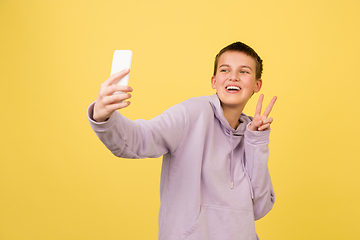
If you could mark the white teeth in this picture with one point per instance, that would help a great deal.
(233, 88)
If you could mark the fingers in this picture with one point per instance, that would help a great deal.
(265, 124)
(262, 122)
(116, 77)
(259, 105)
(115, 106)
(110, 90)
(255, 124)
(269, 107)
(115, 98)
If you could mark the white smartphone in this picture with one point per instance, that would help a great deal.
(121, 60)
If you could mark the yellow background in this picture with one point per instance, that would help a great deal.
(57, 180)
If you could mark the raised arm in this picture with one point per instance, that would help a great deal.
(257, 154)
(134, 139)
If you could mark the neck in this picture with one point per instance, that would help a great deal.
(232, 115)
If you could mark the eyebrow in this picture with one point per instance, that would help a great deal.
(227, 65)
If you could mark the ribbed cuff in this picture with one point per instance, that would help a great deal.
(256, 137)
(99, 126)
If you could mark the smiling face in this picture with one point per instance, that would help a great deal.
(235, 80)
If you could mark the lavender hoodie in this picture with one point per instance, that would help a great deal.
(215, 180)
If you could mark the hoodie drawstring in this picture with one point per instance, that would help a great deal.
(243, 167)
(219, 114)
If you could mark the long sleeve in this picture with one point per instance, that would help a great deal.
(141, 139)
(257, 154)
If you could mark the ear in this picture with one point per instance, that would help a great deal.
(213, 82)
(258, 85)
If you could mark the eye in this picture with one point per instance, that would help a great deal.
(224, 70)
(244, 71)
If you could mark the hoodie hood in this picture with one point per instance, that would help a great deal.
(219, 114)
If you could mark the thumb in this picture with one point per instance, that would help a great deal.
(116, 77)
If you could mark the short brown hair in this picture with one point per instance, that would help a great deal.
(241, 47)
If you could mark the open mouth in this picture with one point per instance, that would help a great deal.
(233, 88)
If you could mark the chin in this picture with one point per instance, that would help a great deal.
(232, 104)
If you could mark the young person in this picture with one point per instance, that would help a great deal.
(215, 181)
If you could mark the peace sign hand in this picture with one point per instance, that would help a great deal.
(262, 122)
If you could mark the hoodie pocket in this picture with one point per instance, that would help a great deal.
(222, 223)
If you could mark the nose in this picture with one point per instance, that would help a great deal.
(234, 77)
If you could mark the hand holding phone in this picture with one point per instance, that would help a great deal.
(109, 98)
